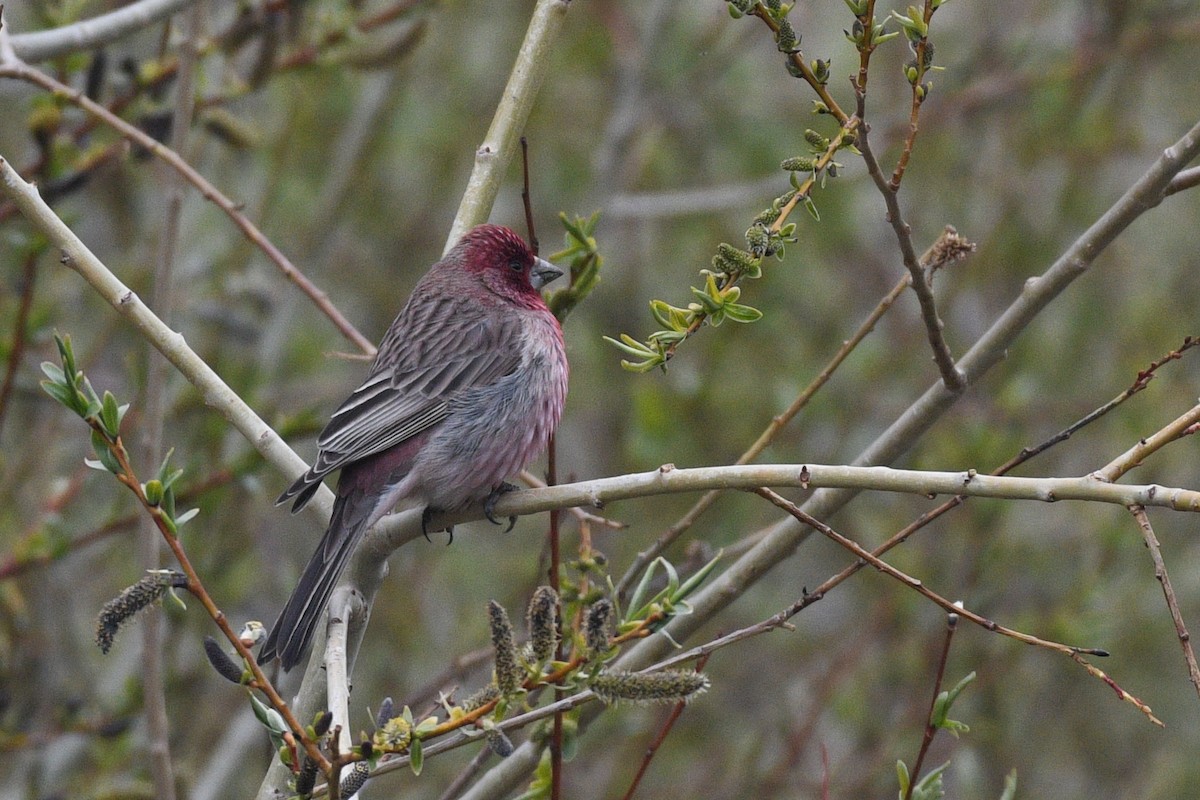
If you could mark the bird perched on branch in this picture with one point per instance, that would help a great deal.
(466, 389)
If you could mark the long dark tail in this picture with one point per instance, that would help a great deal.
(293, 631)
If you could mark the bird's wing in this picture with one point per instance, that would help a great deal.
(426, 359)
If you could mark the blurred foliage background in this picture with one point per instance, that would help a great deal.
(352, 153)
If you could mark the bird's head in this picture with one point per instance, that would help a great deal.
(505, 263)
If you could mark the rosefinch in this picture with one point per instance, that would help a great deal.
(466, 389)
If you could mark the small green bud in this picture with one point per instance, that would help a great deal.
(153, 490)
(799, 164)
(820, 68)
(819, 107)
(816, 139)
(786, 39)
(758, 238)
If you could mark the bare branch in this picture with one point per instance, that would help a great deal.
(500, 144)
(1160, 572)
(91, 33)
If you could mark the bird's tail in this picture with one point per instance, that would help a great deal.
(293, 630)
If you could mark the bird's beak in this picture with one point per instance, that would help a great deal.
(543, 272)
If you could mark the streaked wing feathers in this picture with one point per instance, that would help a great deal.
(424, 362)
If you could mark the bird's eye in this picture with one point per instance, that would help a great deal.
(516, 265)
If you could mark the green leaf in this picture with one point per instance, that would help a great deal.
(416, 756)
(811, 208)
(186, 517)
(742, 313)
(104, 453)
(53, 372)
(902, 778)
(691, 584)
(63, 394)
(110, 415)
(631, 346)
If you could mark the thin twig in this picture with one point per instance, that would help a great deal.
(919, 93)
(802, 66)
(155, 409)
(196, 588)
(952, 376)
(1160, 574)
(96, 32)
(948, 248)
(512, 112)
(16, 351)
(914, 584)
(24, 72)
(1187, 179)
(954, 608)
(1133, 457)
(864, 51)
(668, 724)
(930, 728)
(1139, 383)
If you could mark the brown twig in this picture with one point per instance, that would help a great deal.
(24, 72)
(1181, 426)
(1160, 574)
(847, 131)
(667, 725)
(954, 608)
(798, 62)
(1139, 383)
(555, 576)
(196, 588)
(930, 727)
(865, 50)
(949, 248)
(919, 94)
(952, 376)
(20, 332)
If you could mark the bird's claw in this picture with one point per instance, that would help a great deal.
(489, 505)
(426, 517)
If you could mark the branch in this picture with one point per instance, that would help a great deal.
(215, 392)
(21, 71)
(1181, 426)
(1160, 572)
(948, 248)
(781, 539)
(500, 144)
(951, 375)
(96, 32)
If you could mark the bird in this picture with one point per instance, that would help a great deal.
(466, 388)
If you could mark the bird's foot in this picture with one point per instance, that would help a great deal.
(489, 505)
(426, 517)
